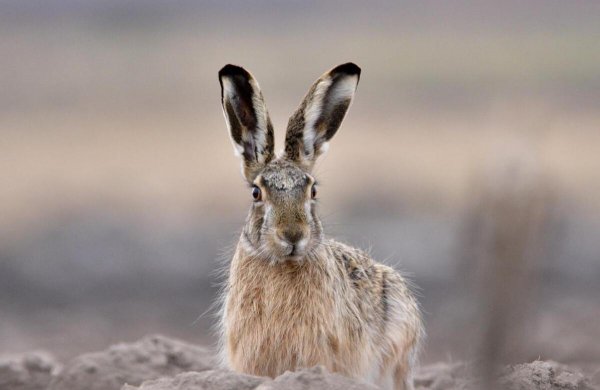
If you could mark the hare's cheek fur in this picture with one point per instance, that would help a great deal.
(294, 299)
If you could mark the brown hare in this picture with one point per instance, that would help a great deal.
(293, 298)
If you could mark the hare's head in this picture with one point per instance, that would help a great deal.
(283, 224)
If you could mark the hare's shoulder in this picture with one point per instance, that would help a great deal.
(361, 269)
(356, 263)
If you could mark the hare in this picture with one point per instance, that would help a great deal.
(293, 298)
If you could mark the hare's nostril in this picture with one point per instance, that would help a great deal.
(291, 236)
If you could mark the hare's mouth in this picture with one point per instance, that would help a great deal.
(296, 253)
(290, 251)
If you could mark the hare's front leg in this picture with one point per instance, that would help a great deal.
(403, 377)
(405, 334)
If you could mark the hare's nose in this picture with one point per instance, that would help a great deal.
(291, 236)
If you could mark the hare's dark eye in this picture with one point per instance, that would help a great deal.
(256, 194)
(313, 191)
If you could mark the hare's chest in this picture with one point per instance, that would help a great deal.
(283, 322)
(289, 305)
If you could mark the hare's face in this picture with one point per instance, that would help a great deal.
(282, 223)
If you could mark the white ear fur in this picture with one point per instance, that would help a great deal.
(312, 112)
(228, 92)
(320, 114)
(345, 88)
(342, 90)
(262, 118)
(258, 137)
(247, 119)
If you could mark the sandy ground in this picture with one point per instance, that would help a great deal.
(160, 363)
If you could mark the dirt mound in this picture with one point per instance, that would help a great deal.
(160, 363)
(539, 375)
(213, 379)
(544, 375)
(29, 371)
(312, 378)
(150, 358)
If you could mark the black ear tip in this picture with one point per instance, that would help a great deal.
(230, 70)
(349, 68)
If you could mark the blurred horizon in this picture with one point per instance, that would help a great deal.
(119, 190)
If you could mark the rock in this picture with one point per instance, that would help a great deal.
(213, 380)
(313, 378)
(543, 375)
(29, 371)
(150, 358)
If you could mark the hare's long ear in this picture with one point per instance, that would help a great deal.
(247, 118)
(320, 114)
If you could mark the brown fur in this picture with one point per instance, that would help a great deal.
(294, 299)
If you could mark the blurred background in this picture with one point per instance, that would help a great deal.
(470, 160)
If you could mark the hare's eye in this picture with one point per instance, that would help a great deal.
(313, 191)
(256, 194)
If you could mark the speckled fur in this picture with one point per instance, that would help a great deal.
(330, 305)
